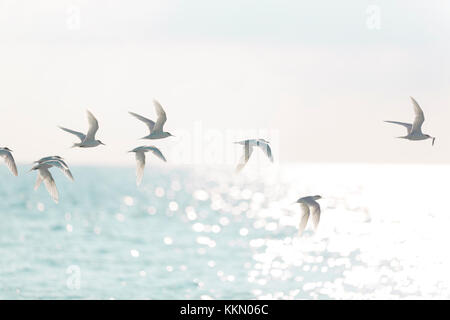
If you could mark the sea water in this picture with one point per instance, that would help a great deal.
(208, 233)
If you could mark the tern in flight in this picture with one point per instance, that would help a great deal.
(248, 150)
(414, 130)
(58, 162)
(156, 128)
(45, 175)
(309, 205)
(87, 140)
(6, 154)
(140, 159)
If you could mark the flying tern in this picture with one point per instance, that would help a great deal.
(87, 140)
(248, 150)
(309, 205)
(6, 154)
(414, 130)
(45, 176)
(156, 128)
(140, 159)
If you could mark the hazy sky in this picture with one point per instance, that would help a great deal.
(316, 78)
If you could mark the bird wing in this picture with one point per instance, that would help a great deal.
(150, 123)
(304, 218)
(418, 119)
(157, 153)
(9, 160)
(49, 183)
(62, 162)
(80, 135)
(46, 159)
(248, 150)
(140, 165)
(266, 149)
(61, 165)
(93, 126)
(315, 214)
(408, 126)
(38, 181)
(161, 116)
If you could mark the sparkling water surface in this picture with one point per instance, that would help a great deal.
(207, 233)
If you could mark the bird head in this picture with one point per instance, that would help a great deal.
(7, 149)
(317, 197)
(170, 135)
(101, 142)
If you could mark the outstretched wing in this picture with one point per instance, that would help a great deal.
(38, 181)
(61, 165)
(418, 119)
(161, 116)
(248, 150)
(408, 126)
(266, 149)
(157, 153)
(62, 162)
(315, 214)
(9, 160)
(140, 165)
(150, 123)
(93, 126)
(49, 183)
(49, 158)
(304, 218)
(80, 135)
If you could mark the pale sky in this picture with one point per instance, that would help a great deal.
(316, 78)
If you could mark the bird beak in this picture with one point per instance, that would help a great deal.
(103, 143)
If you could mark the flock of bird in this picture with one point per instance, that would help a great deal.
(308, 205)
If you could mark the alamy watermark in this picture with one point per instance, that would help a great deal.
(73, 281)
(73, 18)
(373, 17)
(208, 146)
